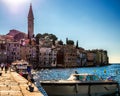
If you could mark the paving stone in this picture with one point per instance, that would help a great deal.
(12, 84)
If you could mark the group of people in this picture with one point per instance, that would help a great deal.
(4, 66)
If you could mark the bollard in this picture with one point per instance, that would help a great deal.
(0, 73)
(31, 89)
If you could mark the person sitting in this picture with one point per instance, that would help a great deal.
(74, 76)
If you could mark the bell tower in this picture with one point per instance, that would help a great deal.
(30, 23)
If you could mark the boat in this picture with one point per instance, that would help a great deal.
(20, 66)
(81, 85)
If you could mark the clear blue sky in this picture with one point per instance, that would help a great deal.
(94, 23)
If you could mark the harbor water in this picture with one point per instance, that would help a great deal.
(104, 72)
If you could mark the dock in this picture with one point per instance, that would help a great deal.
(13, 84)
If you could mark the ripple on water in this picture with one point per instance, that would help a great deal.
(58, 74)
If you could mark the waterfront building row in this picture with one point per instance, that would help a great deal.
(51, 56)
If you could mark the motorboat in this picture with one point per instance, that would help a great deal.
(81, 85)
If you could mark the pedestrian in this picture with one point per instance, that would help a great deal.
(2, 66)
(6, 68)
(29, 69)
(30, 76)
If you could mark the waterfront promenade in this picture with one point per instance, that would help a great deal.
(12, 84)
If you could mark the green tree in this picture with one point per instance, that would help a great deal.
(50, 36)
(60, 42)
(77, 44)
(45, 34)
(38, 36)
(70, 42)
(53, 37)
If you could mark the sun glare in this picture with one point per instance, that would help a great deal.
(15, 5)
(15, 2)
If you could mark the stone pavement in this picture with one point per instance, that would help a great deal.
(12, 84)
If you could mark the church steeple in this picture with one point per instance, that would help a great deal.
(30, 14)
(30, 23)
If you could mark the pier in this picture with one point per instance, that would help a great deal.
(13, 84)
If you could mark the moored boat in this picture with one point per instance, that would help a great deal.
(20, 66)
(80, 85)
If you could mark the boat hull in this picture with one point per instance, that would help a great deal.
(80, 88)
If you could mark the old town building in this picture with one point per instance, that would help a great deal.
(70, 56)
(47, 57)
(3, 51)
(13, 51)
(81, 57)
(90, 58)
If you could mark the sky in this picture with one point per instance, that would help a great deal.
(94, 23)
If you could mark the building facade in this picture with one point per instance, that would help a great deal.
(13, 51)
(3, 51)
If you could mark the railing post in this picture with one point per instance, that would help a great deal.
(89, 94)
(118, 89)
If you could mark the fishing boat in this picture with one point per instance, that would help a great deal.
(81, 85)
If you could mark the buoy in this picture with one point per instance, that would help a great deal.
(94, 70)
(104, 71)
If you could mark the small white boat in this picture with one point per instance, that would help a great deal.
(81, 85)
(20, 66)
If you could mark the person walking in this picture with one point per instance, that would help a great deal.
(30, 76)
(6, 68)
(2, 66)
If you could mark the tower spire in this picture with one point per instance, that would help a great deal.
(30, 14)
(30, 23)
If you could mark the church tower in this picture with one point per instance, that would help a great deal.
(30, 23)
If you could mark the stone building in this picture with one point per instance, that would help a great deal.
(81, 57)
(54, 57)
(70, 56)
(47, 57)
(97, 57)
(13, 51)
(90, 58)
(31, 56)
(3, 51)
(60, 56)
(101, 57)
(105, 57)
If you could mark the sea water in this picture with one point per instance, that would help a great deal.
(104, 72)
